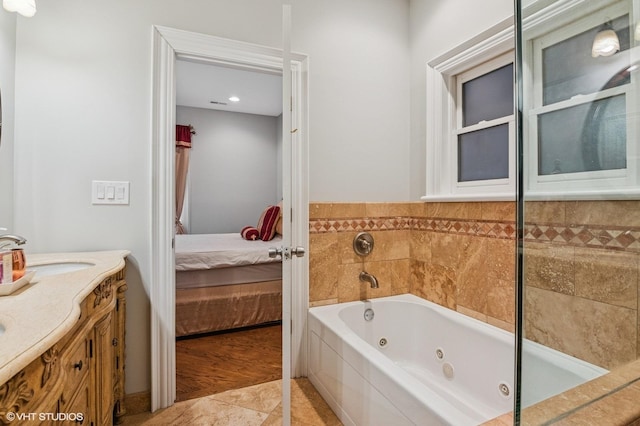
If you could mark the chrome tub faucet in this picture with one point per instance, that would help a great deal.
(367, 277)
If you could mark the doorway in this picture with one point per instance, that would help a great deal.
(228, 291)
(169, 45)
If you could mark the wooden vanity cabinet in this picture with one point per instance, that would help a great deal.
(80, 379)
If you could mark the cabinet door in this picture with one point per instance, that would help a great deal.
(104, 362)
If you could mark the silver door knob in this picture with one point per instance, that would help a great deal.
(275, 252)
(298, 251)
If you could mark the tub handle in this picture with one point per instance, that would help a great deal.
(363, 243)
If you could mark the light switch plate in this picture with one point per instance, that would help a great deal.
(109, 192)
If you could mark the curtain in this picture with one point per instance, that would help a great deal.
(183, 145)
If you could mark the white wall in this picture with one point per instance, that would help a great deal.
(438, 26)
(83, 112)
(7, 84)
(232, 170)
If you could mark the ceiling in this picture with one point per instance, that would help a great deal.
(198, 84)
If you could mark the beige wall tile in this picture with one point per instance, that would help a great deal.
(323, 302)
(619, 213)
(623, 406)
(434, 283)
(323, 259)
(499, 211)
(346, 253)
(501, 299)
(388, 209)
(420, 245)
(500, 257)
(607, 276)
(418, 209)
(544, 212)
(596, 332)
(390, 245)
(506, 326)
(455, 210)
(480, 316)
(550, 267)
(349, 286)
(391, 274)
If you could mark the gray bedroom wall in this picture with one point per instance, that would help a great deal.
(233, 168)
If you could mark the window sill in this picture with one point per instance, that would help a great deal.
(619, 194)
(459, 198)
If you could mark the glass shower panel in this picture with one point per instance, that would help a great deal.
(587, 137)
(569, 69)
(578, 212)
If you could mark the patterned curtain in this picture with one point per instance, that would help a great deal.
(183, 145)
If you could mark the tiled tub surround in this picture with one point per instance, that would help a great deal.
(459, 255)
(581, 272)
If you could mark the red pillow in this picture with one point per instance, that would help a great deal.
(250, 233)
(267, 223)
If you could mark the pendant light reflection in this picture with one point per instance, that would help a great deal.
(606, 42)
(25, 8)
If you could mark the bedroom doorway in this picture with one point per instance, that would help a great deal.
(170, 45)
(228, 290)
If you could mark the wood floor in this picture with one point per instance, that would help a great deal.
(219, 362)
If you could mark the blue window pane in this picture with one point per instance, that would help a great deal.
(488, 97)
(484, 154)
(583, 138)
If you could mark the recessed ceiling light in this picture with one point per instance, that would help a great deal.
(234, 99)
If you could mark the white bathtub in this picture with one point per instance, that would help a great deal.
(419, 363)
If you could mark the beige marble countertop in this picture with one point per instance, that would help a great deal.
(39, 314)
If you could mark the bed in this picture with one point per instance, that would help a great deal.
(225, 282)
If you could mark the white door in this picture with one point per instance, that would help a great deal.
(170, 44)
(295, 217)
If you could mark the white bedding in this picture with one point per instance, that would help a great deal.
(211, 251)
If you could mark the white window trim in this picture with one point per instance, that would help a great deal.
(595, 185)
(499, 186)
(440, 76)
(442, 118)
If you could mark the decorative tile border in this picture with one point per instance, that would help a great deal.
(592, 236)
(492, 229)
(320, 226)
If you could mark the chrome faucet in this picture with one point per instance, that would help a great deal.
(16, 239)
(365, 276)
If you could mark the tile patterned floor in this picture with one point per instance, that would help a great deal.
(253, 405)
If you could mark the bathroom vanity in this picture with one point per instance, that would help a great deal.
(62, 341)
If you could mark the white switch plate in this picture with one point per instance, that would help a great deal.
(109, 192)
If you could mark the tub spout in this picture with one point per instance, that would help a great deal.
(365, 276)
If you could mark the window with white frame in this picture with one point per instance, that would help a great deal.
(470, 120)
(581, 109)
(484, 146)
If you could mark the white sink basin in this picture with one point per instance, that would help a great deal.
(58, 268)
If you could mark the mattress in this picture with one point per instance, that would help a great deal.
(229, 276)
(211, 251)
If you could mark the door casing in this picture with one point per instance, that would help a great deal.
(168, 45)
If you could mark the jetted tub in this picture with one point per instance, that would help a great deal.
(418, 363)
